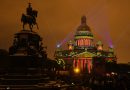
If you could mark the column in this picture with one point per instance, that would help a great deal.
(74, 63)
(78, 42)
(85, 61)
(86, 42)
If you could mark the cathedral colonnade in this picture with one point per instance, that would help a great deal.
(84, 64)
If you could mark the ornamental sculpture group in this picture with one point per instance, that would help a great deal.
(29, 18)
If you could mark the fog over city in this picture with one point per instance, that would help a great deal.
(108, 19)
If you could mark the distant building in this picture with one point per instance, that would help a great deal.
(82, 52)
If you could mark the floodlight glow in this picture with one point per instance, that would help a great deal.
(67, 38)
(111, 46)
(76, 70)
(58, 45)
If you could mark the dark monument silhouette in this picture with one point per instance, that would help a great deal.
(26, 65)
(29, 18)
(28, 42)
(26, 61)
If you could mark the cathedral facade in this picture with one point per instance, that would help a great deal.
(82, 53)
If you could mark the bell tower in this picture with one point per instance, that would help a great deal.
(70, 45)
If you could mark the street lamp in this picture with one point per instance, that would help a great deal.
(77, 70)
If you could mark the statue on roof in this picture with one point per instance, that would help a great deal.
(30, 17)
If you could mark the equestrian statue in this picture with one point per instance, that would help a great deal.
(29, 18)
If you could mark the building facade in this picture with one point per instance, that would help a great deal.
(82, 52)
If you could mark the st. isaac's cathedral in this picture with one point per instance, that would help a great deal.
(82, 53)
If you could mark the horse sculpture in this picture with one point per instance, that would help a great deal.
(29, 19)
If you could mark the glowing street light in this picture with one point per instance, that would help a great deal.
(76, 70)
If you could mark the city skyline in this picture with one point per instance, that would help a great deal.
(109, 22)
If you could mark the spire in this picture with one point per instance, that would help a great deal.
(83, 20)
(83, 26)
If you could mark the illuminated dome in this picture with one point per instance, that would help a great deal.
(83, 36)
(83, 30)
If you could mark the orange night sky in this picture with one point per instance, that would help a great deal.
(108, 19)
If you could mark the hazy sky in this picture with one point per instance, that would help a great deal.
(108, 19)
